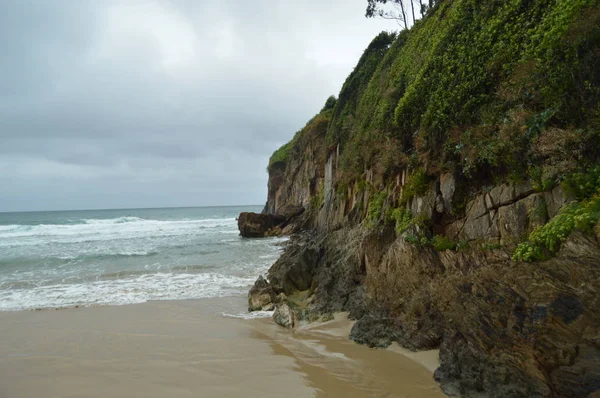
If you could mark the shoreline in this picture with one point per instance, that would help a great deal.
(185, 347)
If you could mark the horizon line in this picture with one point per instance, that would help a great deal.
(128, 208)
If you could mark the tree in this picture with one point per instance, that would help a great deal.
(396, 9)
(376, 8)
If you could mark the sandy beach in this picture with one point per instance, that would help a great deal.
(190, 349)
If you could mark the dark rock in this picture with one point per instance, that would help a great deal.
(582, 378)
(259, 225)
(567, 307)
(464, 372)
(255, 225)
(375, 331)
(261, 296)
(293, 271)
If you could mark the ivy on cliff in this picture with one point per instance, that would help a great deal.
(545, 241)
(485, 67)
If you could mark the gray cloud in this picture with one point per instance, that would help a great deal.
(162, 103)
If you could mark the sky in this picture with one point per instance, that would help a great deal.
(156, 103)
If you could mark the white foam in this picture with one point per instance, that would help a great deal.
(137, 289)
(8, 227)
(95, 230)
(250, 315)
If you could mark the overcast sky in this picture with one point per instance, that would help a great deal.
(148, 103)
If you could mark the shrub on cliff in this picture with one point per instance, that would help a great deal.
(545, 241)
(402, 219)
(375, 208)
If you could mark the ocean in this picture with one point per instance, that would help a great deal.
(62, 259)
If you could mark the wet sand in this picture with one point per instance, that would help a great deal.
(189, 349)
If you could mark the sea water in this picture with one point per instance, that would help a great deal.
(113, 257)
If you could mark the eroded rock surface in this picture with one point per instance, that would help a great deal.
(261, 296)
(285, 316)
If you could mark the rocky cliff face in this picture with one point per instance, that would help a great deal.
(504, 328)
(437, 229)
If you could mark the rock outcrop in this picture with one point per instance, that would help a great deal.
(262, 296)
(255, 225)
(259, 225)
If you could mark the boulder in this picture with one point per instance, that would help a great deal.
(285, 316)
(262, 296)
(259, 225)
(376, 332)
(255, 225)
(293, 271)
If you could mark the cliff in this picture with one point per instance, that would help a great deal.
(452, 196)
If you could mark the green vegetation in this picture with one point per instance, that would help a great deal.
(329, 104)
(316, 201)
(412, 238)
(281, 155)
(494, 91)
(470, 86)
(375, 208)
(402, 218)
(462, 245)
(583, 184)
(540, 211)
(545, 241)
(439, 242)
(540, 183)
(490, 246)
(415, 185)
(442, 243)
